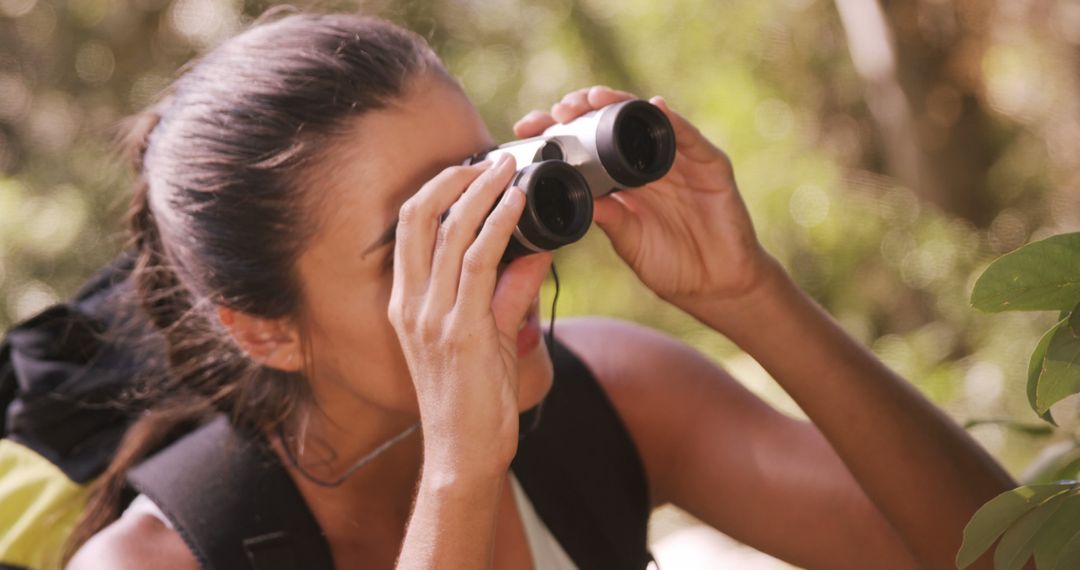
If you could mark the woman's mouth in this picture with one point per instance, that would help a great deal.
(528, 337)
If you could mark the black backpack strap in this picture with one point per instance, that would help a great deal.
(583, 473)
(228, 496)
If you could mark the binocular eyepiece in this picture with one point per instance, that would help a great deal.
(623, 145)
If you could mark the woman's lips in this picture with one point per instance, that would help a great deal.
(528, 337)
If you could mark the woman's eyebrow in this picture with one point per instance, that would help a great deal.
(385, 238)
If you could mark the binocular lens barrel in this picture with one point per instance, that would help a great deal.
(558, 208)
(636, 143)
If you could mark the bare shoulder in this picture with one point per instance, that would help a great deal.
(642, 369)
(628, 356)
(134, 542)
(665, 391)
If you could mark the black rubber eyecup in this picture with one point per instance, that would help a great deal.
(558, 206)
(635, 142)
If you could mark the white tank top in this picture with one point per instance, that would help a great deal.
(547, 553)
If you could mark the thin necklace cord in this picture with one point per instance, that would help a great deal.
(352, 469)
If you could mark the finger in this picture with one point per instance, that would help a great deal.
(532, 124)
(572, 106)
(418, 221)
(618, 220)
(582, 101)
(688, 139)
(459, 230)
(516, 289)
(481, 261)
(601, 96)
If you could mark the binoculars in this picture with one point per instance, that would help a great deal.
(622, 145)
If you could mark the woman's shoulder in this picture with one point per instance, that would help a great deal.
(657, 384)
(634, 362)
(135, 541)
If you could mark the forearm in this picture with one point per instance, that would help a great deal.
(453, 521)
(925, 474)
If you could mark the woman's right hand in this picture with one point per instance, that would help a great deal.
(457, 329)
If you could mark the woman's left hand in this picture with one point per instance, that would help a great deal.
(688, 235)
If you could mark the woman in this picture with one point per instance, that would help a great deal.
(287, 222)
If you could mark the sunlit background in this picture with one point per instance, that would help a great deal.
(887, 151)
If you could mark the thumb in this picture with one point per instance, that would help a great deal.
(618, 221)
(516, 289)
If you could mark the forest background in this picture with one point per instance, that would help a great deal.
(888, 150)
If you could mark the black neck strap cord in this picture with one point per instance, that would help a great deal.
(554, 300)
(533, 415)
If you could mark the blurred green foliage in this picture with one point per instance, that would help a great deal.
(981, 98)
(1042, 519)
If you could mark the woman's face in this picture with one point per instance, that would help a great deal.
(359, 188)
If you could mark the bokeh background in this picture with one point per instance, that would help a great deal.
(887, 150)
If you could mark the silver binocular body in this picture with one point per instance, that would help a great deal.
(623, 145)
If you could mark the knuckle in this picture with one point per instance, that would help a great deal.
(427, 327)
(409, 212)
(450, 231)
(457, 171)
(456, 338)
(402, 319)
(475, 262)
(575, 96)
(507, 215)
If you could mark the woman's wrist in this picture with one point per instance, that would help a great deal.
(456, 480)
(454, 460)
(731, 314)
(457, 448)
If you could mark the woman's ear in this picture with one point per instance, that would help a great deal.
(274, 343)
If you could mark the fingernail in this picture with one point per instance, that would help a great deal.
(504, 159)
(512, 198)
(483, 163)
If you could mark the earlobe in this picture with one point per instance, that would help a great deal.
(274, 343)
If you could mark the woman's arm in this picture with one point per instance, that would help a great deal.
(453, 521)
(716, 450)
(134, 542)
(924, 473)
(689, 238)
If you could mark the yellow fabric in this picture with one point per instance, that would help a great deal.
(38, 508)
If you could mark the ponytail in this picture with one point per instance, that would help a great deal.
(153, 279)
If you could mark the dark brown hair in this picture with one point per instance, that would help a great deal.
(218, 217)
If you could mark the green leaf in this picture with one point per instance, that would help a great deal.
(1060, 463)
(1041, 276)
(1033, 430)
(1069, 556)
(1058, 530)
(1070, 470)
(1060, 375)
(1074, 319)
(1035, 370)
(998, 514)
(1018, 543)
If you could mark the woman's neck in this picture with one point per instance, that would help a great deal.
(328, 440)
